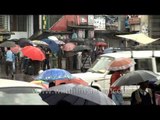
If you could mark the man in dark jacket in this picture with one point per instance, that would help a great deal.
(141, 96)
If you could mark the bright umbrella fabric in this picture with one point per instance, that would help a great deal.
(54, 74)
(139, 37)
(69, 46)
(101, 44)
(75, 94)
(136, 77)
(33, 53)
(121, 64)
(73, 80)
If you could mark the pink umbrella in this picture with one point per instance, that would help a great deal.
(16, 49)
(69, 46)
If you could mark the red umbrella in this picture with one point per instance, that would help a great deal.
(101, 44)
(69, 46)
(33, 53)
(15, 49)
(121, 64)
(73, 80)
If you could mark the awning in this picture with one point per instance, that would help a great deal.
(139, 37)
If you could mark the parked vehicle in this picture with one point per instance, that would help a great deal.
(13, 92)
(99, 76)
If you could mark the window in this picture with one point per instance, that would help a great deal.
(3, 22)
(18, 23)
(158, 63)
(143, 64)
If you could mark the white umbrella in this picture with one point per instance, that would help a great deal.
(136, 77)
(55, 39)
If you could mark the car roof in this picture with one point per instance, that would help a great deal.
(16, 83)
(135, 54)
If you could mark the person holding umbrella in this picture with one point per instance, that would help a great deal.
(9, 62)
(141, 96)
(115, 92)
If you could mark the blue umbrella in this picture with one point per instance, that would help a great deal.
(52, 45)
(54, 74)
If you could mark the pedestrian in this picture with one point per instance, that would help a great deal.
(142, 96)
(9, 62)
(46, 61)
(115, 92)
(86, 61)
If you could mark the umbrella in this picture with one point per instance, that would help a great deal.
(121, 64)
(73, 80)
(54, 74)
(69, 46)
(136, 77)
(38, 42)
(101, 44)
(81, 48)
(24, 42)
(75, 95)
(52, 45)
(40, 82)
(33, 53)
(139, 37)
(15, 49)
(8, 44)
(55, 39)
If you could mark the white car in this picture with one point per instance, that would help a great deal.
(13, 92)
(99, 76)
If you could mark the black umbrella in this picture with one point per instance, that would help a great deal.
(8, 44)
(75, 94)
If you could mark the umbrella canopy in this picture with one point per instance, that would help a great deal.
(41, 82)
(52, 45)
(101, 44)
(16, 49)
(81, 48)
(136, 77)
(33, 53)
(121, 64)
(38, 42)
(75, 95)
(139, 37)
(53, 38)
(24, 42)
(54, 74)
(73, 80)
(69, 46)
(8, 44)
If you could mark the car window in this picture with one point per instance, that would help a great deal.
(157, 63)
(144, 64)
(100, 65)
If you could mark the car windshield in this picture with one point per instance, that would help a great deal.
(100, 65)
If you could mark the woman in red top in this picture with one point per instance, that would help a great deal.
(116, 94)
